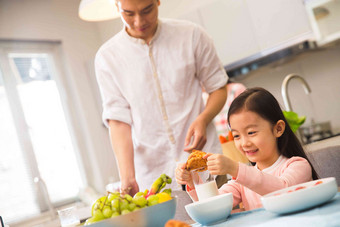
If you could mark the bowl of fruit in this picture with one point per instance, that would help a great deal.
(149, 208)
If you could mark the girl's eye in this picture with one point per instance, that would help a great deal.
(236, 136)
(252, 132)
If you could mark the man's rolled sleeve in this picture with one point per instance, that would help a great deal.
(116, 113)
(115, 106)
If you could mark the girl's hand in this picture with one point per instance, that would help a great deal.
(183, 176)
(219, 164)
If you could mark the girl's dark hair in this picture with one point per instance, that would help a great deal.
(263, 103)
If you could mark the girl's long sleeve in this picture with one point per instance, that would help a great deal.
(252, 183)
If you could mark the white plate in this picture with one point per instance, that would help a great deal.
(301, 196)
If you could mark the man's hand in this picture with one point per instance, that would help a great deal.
(196, 136)
(129, 187)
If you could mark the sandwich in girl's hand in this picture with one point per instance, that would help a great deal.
(196, 161)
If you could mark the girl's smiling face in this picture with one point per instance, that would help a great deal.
(256, 137)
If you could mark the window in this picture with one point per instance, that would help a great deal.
(35, 140)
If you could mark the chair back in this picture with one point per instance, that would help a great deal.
(326, 162)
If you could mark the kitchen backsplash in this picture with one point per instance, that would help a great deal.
(320, 68)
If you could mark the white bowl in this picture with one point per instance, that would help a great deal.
(211, 210)
(301, 196)
(156, 215)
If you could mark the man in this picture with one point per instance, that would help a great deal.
(150, 76)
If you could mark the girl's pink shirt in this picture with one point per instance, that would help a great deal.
(252, 183)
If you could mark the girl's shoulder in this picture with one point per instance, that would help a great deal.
(295, 161)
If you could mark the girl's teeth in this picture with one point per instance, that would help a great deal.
(250, 152)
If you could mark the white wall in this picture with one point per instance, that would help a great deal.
(167, 9)
(321, 69)
(58, 20)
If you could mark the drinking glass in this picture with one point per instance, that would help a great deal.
(205, 184)
(68, 217)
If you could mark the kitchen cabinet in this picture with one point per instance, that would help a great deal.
(279, 23)
(324, 16)
(245, 28)
(230, 26)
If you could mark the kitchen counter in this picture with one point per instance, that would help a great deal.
(333, 141)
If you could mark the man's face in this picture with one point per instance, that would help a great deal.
(140, 17)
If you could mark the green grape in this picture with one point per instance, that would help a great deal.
(128, 197)
(115, 214)
(138, 194)
(168, 190)
(124, 205)
(98, 215)
(107, 203)
(112, 196)
(115, 210)
(98, 204)
(152, 197)
(140, 201)
(115, 204)
(107, 212)
(131, 206)
(90, 221)
(152, 200)
(125, 211)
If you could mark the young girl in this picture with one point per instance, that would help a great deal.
(261, 132)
